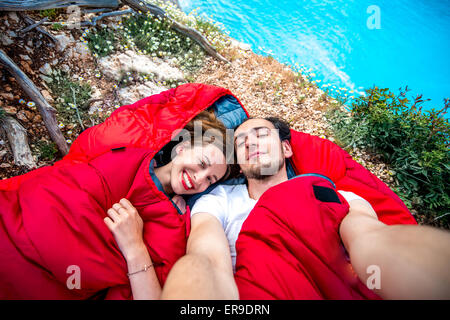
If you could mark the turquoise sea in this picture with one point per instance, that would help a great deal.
(351, 44)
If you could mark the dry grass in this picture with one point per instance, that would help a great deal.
(266, 88)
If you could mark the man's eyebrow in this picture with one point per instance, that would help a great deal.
(245, 133)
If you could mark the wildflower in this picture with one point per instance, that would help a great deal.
(82, 39)
(98, 75)
(100, 109)
(115, 86)
(130, 78)
(80, 78)
(21, 101)
(69, 141)
(69, 132)
(61, 125)
(31, 104)
(117, 106)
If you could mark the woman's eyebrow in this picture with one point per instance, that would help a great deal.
(208, 162)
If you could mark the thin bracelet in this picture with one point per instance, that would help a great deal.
(146, 267)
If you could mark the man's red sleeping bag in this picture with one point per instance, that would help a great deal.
(52, 218)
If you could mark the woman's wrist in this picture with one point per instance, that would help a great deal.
(137, 253)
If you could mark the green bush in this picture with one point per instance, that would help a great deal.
(102, 42)
(47, 150)
(414, 142)
(72, 97)
(2, 113)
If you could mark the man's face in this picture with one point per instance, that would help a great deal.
(259, 151)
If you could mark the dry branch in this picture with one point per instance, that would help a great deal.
(33, 24)
(31, 27)
(189, 32)
(47, 112)
(27, 5)
(17, 137)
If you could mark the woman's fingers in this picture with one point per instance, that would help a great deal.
(109, 223)
(127, 205)
(113, 214)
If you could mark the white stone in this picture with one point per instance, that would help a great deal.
(46, 69)
(63, 41)
(130, 95)
(113, 66)
(13, 16)
(5, 40)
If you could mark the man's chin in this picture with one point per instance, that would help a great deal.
(262, 170)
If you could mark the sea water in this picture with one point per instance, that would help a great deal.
(348, 44)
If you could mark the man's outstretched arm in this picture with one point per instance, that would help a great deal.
(205, 272)
(414, 261)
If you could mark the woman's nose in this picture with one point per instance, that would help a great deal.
(200, 177)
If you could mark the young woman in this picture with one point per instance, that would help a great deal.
(52, 228)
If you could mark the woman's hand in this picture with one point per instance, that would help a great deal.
(127, 227)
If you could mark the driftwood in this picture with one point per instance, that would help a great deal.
(189, 32)
(33, 24)
(27, 5)
(17, 137)
(47, 112)
(93, 22)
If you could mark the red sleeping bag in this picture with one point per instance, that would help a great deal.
(51, 219)
(289, 246)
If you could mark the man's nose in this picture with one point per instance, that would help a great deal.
(251, 140)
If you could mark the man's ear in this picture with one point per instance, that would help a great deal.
(287, 149)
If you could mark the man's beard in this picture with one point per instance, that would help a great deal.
(262, 172)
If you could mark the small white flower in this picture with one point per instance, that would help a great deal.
(69, 141)
(61, 125)
(31, 104)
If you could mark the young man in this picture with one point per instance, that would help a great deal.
(262, 146)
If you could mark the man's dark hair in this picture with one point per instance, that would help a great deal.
(283, 128)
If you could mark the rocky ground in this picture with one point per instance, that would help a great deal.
(263, 85)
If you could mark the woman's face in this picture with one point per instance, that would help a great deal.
(194, 169)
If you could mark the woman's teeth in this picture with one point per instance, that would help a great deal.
(186, 180)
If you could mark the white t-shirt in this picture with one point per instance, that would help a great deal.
(231, 205)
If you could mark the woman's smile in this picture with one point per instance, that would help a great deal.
(186, 180)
